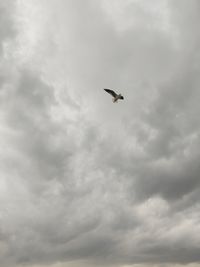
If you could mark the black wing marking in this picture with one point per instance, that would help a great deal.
(110, 92)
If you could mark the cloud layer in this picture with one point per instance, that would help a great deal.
(83, 181)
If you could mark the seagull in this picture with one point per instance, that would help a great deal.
(116, 97)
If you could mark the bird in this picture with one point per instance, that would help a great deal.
(116, 96)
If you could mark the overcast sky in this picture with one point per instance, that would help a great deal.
(85, 182)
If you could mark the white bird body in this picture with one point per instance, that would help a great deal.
(115, 99)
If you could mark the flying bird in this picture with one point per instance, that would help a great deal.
(116, 96)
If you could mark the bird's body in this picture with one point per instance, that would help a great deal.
(116, 96)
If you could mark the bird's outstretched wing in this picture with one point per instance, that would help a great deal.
(110, 92)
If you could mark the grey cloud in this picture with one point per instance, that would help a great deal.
(86, 180)
(174, 120)
(7, 27)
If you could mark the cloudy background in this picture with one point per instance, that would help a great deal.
(83, 181)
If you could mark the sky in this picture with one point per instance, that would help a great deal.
(85, 182)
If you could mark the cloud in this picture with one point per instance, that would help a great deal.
(84, 181)
(7, 29)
